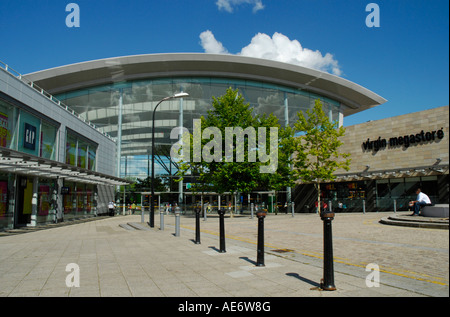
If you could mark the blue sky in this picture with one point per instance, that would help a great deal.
(405, 60)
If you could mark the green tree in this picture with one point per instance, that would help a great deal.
(317, 148)
(243, 164)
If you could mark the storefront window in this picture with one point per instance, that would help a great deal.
(6, 209)
(80, 198)
(80, 152)
(397, 187)
(349, 195)
(71, 149)
(411, 185)
(92, 153)
(69, 199)
(429, 185)
(3, 198)
(48, 141)
(89, 198)
(8, 116)
(44, 207)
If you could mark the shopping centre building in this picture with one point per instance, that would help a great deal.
(118, 95)
(391, 158)
(54, 166)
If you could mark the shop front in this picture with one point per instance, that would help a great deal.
(382, 194)
(391, 158)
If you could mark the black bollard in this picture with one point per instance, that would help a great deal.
(198, 210)
(327, 283)
(222, 230)
(260, 249)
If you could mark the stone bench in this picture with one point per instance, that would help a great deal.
(438, 210)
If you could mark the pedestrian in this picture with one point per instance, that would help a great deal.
(340, 206)
(421, 200)
(111, 208)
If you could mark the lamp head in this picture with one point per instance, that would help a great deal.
(181, 95)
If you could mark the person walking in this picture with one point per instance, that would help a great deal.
(111, 208)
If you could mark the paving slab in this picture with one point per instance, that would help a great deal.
(116, 261)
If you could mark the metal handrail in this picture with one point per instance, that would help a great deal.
(50, 97)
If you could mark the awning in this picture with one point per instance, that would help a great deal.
(429, 170)
(12, 161)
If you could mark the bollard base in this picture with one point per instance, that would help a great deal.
(327, 287)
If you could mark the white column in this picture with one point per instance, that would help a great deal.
(34, 202)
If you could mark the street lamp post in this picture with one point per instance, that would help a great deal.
(152, 205)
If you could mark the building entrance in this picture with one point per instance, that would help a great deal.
(23, 201)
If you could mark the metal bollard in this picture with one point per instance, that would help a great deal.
(177, 221)
(252, 207)
(327, 283)
(293, 208)
(222, 230)
(197, 225)
(364, 206)
(260, 248)
(161, 219)
(395, 205)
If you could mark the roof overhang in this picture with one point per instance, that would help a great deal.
(119, 69)
(24, 164)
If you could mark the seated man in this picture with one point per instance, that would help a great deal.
(421, 200)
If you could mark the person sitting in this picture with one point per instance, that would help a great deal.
(421, 200)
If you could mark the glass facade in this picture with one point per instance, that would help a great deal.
(403, 190)
(46, 200)
(8, 121)
(379, 194)
(48, 142)
(25, 132)
(101, 104)
(78, 200)
(79, 152)
(6, 212)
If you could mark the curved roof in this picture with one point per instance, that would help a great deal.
(111, 70)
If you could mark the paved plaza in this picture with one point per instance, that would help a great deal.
(120, 256)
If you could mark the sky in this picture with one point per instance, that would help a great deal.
(398, 49)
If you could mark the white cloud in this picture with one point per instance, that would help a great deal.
(280, 48)
(210, 44)
(228, 5)
(277, 48)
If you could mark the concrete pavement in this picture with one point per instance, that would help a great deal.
(116, 259)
